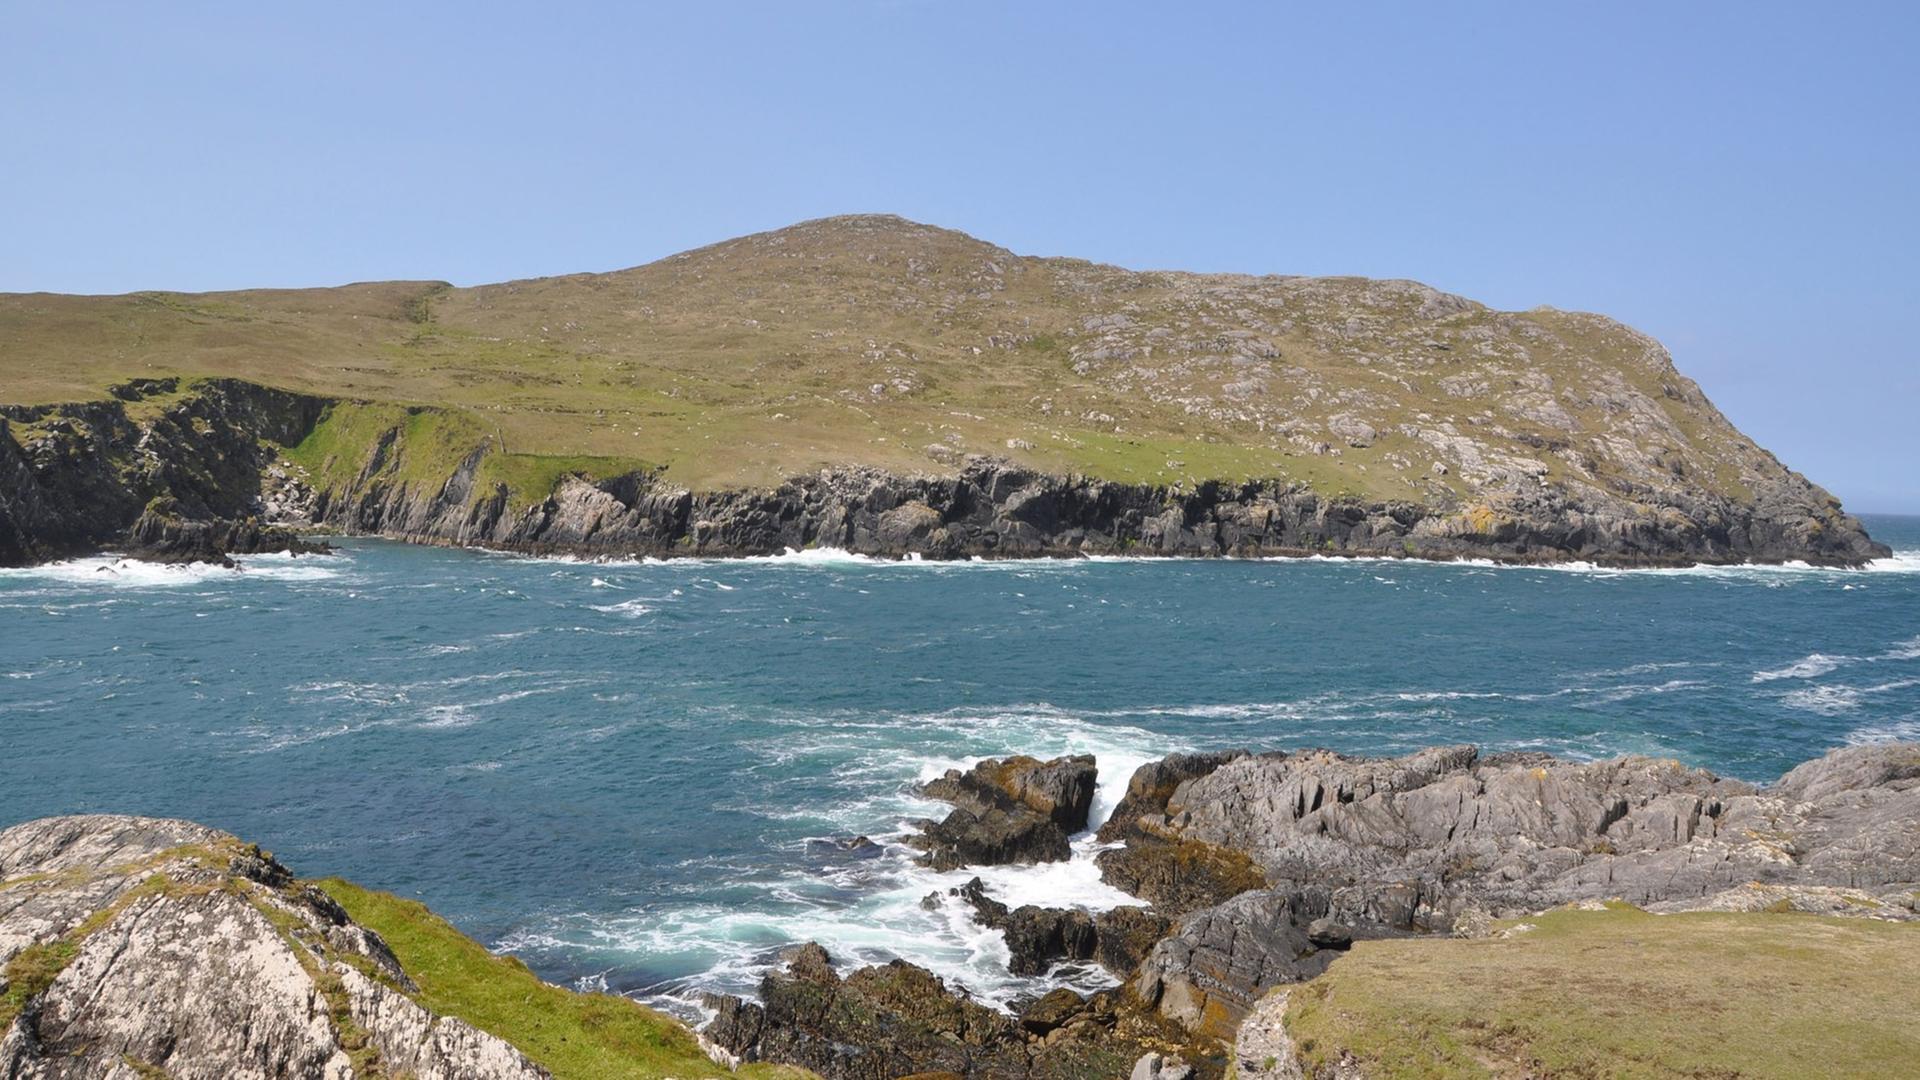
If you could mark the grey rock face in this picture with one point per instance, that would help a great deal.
(1518, 833)
(179, 948)
(1444, 838)
(1219, 961)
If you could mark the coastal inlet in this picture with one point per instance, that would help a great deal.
(650, 777)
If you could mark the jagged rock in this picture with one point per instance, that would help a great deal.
(897, 1019)
(1017, 810)
(1036, 937)
(177, 947)
(1446, 839)
(1151, 785)
(1060, 790)
(1124, 935)
(999, 836)
(163, 535)
(1218, 962)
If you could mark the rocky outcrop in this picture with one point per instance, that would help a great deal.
(1016, 810)
(1515, 833)
(1444, 839)
(75, 478)
(144, 947)
(897, 1019)
(162, 534)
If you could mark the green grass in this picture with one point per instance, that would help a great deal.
(1622, 993)
(755, 360)
(575, 1035)
(30, 972)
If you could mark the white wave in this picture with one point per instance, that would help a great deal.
(818, 556)
(1808, 667)
(114, 572)
(1907, 730)
(1906, 650)
(1900, 562)
(633, 609)
(1833, 700)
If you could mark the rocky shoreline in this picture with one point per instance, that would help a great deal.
(1259, 870)
(138, 946)
(198, 470)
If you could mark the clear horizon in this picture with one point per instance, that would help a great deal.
(1735, 181)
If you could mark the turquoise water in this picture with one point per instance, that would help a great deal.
(622, 771)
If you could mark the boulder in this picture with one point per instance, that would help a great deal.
(1219, 961)
(1051, 1010)
(1327, 933)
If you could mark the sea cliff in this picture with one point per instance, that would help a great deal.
(212, 468)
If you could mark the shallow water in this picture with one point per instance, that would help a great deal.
(621, 771)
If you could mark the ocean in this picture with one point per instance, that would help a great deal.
(633, 775)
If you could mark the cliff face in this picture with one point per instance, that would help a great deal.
(228, 458)
(76, 478)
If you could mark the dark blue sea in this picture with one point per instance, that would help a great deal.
(621, 771)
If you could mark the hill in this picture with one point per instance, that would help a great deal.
(876, 342)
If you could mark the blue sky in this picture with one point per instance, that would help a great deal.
(1737, 179)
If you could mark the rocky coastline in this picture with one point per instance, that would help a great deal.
(1260, 870)
(138, 946)
(172, 470)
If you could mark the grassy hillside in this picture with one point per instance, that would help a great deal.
(575, 1036)
(879, 341)
(1622, 993)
